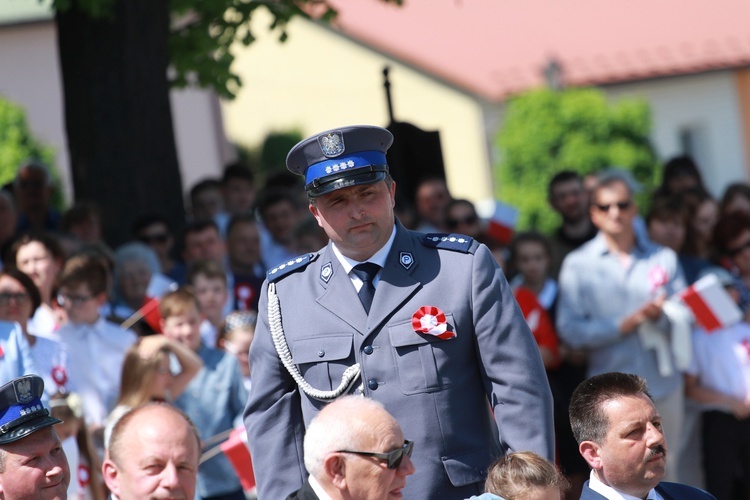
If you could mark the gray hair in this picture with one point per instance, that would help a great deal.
(337, 427)
(139, 252)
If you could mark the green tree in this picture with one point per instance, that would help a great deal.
(116, 57)
(547, 131)
(17, 143)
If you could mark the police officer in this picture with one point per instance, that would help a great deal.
(425, 324)
(32, 461)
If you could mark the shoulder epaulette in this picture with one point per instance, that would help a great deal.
(455, 242)
(289, 267)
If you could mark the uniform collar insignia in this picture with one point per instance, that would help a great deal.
(406, 259)
(326, 272)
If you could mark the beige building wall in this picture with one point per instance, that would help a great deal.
(30, 77)
(319, 80)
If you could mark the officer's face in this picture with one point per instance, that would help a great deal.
(35, 468)
(359, 219)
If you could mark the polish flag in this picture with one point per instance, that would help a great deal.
(501, 219)
(236, 450)
(712, 306)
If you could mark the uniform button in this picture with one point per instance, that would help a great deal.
(372, 384)
(321, 353)
(368, 349)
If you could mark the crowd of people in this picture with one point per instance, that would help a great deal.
(170, 317)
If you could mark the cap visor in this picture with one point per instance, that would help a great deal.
(334, 182)
(27, 428)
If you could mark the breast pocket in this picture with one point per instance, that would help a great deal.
(419, 358)
(323, 359)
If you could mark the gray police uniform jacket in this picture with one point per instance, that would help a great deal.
(440, 391)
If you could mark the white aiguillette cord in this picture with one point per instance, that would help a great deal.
(350, 375)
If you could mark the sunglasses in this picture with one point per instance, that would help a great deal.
(734, 251)
(393, 458)
(468, 220)
(621, 205)
(154, 238)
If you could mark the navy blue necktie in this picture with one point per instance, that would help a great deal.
(366, 272)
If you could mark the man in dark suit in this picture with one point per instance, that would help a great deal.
(425, 324)
(620, 436)
(355, 449)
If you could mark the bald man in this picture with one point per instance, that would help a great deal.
(153, 453)
(355, 449)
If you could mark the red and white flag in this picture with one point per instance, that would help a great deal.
(712, 306)
(501, 219)
(236, 450)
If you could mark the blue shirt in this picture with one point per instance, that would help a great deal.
(15, 353)
(213, 400)
(597, 292)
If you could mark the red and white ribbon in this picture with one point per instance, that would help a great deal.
(432, 321)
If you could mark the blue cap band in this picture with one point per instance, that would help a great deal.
(18, 410)
(344, 163)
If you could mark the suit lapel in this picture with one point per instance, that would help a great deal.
(397, 282)
(396, 285)
(338, 294)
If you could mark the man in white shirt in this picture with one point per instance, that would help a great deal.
(619, 433)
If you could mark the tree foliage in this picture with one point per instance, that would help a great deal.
(575, 129)
(17, 144)
(203, 32)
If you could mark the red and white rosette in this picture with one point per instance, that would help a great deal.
(59, 375)
(84, 477)
(431, 321)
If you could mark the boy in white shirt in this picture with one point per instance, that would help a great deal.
(95, 347)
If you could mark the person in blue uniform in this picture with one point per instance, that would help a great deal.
(425, 324)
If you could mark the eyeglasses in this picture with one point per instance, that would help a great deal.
(74, 300)
(393, 458)
(621, 206)
(735, 251)
(468, 220)
(19, 298)
(154, 238)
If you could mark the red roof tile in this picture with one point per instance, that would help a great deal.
(494, 48)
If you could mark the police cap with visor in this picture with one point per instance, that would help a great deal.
(21, 409)
(339, 158)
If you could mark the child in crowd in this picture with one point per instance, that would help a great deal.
(235, 338)
(209, 282)
(85, 478)
(523, 476)
(536, 293)
(95, 347)
(718, 378)
(214, 399)
(147, 375)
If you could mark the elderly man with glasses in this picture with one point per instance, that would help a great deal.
(355, 449)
